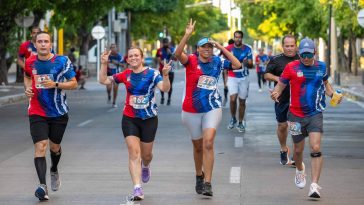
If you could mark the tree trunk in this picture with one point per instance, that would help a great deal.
(355, 56)
(350, 54)
(3, 66)
(342, 57)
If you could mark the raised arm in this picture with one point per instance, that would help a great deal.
(235, 63)
(165, 85)
(183, 58)
(103, 78)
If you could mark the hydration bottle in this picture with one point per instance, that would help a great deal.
(335, 98)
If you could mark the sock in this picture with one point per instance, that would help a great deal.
(55, 157)
(41, 167)
(137, 186)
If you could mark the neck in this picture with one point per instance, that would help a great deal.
(203, 59)
(138, 69)
(45, 57)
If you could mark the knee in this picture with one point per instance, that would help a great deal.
(208, 145)
(197, 149)
(134, 155)
(147, 157)
(315, 148)
(298, 151)
(282, 127)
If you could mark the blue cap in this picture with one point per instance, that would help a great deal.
(203, 41)
(306, 46)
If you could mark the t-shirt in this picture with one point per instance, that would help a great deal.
(243, 53)
(201, 92)
(163, 53)
(49, 102)
(261, 61)
(27, 49)
(113, 64)
(140, 101)
(307, 87)
(276, 66)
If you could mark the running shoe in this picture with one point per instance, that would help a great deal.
(138, 194)
(146, 173)
(224, 102)
(42, 192)
(114, 105)
(162, 101)
(284, 157)
(232, 123)
(199, 183)
(314, 193)
(240, 127)
(207, 190)
(300, 178)
(55, 181)
(168, 101)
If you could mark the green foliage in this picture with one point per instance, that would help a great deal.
(149, 5)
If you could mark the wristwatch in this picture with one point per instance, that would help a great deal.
(56, 84)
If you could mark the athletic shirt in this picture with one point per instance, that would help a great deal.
(245, 52)
(275, 66)
(140, 101)
(201, 92)
(307, 87)
(114, 59)
(164, 54)
(260, 61)
(27, 49)
(48, 102)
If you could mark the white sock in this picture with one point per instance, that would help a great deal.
(137, 186)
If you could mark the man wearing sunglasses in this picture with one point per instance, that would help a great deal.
(308, 81)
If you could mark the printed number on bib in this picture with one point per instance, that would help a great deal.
(295, 128)
(207, 82)
(139, 101)
(40, 78)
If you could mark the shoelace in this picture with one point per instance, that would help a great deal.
(300, 178)
(316, 186)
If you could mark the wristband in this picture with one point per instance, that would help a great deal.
(56, 84)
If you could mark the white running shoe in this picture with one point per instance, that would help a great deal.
(300, 178)
(314, 193)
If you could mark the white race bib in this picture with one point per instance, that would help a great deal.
(295, 128)
(40, 78)
(139, 101)
(207, 82)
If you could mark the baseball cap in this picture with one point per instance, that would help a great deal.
(306, 46)
(203, 41)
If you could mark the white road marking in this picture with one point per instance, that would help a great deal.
(239, 142)
(84, 123)
(235, 173)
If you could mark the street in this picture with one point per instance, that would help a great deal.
(94, 163)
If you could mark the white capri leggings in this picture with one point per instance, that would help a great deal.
(197, 122)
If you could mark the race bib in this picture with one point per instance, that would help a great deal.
(295, 128)
(112, 65)
(207, 82)
(139, 101)
(40, 78)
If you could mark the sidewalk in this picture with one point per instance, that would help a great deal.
(351, 86)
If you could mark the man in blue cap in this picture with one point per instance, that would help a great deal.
(308, 81)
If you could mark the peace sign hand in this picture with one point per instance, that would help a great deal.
(190, 27)
(166, 67)
(105, 56)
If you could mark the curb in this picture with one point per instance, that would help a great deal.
(353, 95)
(12, 99)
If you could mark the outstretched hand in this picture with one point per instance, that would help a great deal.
(274, 95)
(105, 56)
(190, 27)
(166, 67)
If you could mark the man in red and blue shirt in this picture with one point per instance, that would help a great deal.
(308, 81)
(46, 77)
(261, 61)
(27, 48)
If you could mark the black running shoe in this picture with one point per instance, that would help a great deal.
(199, 183)
(284, 157)
(207, 190)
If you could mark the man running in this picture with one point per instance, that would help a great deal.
(27, 48)
(113, 67)
(274, 70)
(46, 76)
(238, 80)
(308, 80)
(261, 61)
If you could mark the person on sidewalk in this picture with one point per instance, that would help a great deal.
(27, 48)
(274, 70)
(261, 61)
(201, 109)
(238, 80)
(113, 67)
(140, 121)
(308, 81)
(46, 77)
(165, 53)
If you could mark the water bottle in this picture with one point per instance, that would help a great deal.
(335, 98)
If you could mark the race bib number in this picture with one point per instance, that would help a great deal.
(139, 101)
(40, 78)
(207, 82)
(295, 128)
(112, 65)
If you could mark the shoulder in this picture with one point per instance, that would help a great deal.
(277, 57)
(246, 47)
(229, 47)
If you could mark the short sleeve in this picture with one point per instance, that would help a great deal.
(225, 64)
(69, 71)
(272, 65)
(22, 51)
(27, 68)
(157, 77)
(286, 75)
(250, 55)
(118, 77)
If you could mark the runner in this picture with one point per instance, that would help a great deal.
(114, 65)
(166, 53)
(274, 70)
(27, 48)
(201, 109)
(261, 61)
(225, 78)
(140, 121)
(46, 76)
(309, 82)
(238, 80)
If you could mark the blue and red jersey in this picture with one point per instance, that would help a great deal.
(307, 87)
(163, 53)
(261, 63)
(140, 101)
(242, 53)
(27, 49)
(48, 102)
(201, 92)
(114, 64)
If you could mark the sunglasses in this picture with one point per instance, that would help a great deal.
(307, 55)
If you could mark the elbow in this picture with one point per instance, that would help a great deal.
(236, 66)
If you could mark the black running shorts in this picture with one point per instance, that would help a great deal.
(281, 110)
(52, 128)
(144, 129)
(300, 128)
